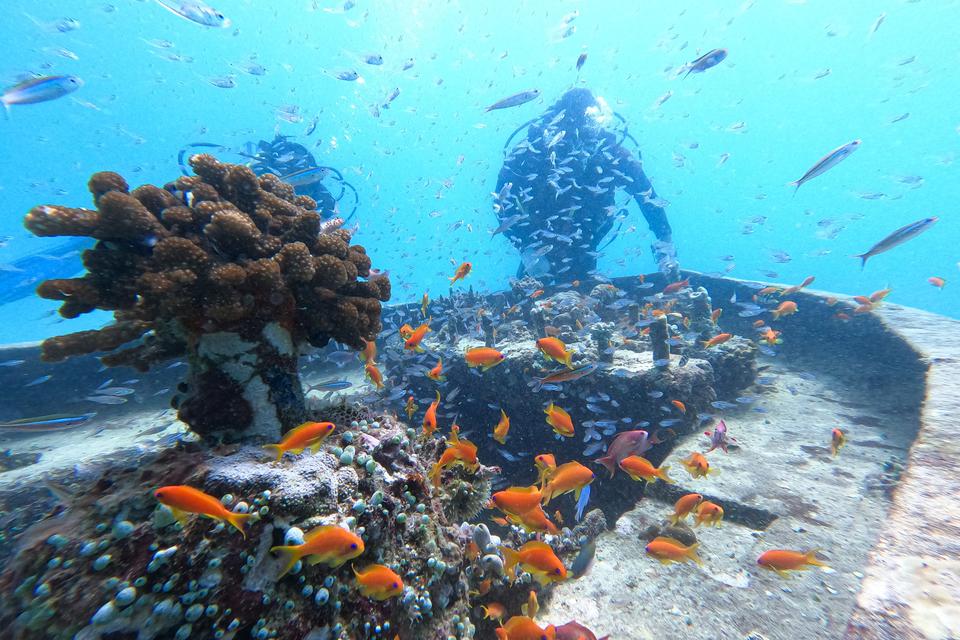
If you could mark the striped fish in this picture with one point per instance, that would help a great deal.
(897, 238)
(826, 163)
(514, 100)
(54, 422)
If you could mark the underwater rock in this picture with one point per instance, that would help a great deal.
(224, 267)
(200, 579)
(680, 532)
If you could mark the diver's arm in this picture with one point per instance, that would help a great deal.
(642, 191)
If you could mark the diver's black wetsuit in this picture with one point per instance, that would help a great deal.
(282, 157)
(564, 179)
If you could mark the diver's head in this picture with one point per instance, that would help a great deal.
(583, 110)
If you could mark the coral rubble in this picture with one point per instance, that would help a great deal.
(232, 270)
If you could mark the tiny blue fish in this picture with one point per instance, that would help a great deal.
(55, 422)
(39, 380)
(722, 404)
(582, 502)
(330, 385)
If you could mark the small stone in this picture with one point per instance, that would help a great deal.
(101, 563)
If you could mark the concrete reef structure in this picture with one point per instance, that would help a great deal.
(234, 271)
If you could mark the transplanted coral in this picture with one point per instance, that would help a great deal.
(232, 270)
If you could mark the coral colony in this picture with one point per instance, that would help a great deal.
(236, 272)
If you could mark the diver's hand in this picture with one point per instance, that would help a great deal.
(666, 256)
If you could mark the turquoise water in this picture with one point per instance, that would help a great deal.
(431, 159)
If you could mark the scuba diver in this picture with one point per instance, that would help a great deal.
(293, 164)
(555, 196)
(20, 278)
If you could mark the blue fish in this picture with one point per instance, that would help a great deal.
(582, 502)
(330, 385)
(54, 422)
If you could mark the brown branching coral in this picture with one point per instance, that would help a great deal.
(233, 270)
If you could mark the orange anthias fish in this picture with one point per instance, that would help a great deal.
(524, 628)
(790, 290)
(436, 374)
(697, 465)
(485, 357)
(378, 581)
(373, 373)
(536, 294)
(642, 469)
(771, 337)
(517, 500)
(781, 561)
(570, 476)
(430, 418)
(369, 353)
(423, 304)
(181, 500)
(878, 296)
(679, 405)
(308, 434)
(462, 452)
(720, 338)
(330, 545)
(405, 331)
(676, 286)
(411, 408)
(937, 281)
(534, 521)
(786, 308)
(684, 506)
(538, 559)
(502, 429)
(494, 611)
(837, 440)
(546, 464)
(560, 420)
(555, 349)
(413, 342)
(462, 272)
(768, 290)
(716, 315)
(709, 514)
(668, 550)
(532, 606)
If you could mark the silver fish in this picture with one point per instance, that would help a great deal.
(40, 89)
(896, 238)
(709, 59)
(196, 11)
(514, 100)
(826, 163)
(106, 399)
